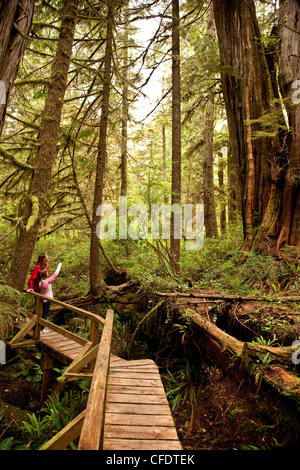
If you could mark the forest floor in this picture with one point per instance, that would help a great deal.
(18, 391)
(227, 415)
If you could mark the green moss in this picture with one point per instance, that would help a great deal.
(9, 309)
(34, 213)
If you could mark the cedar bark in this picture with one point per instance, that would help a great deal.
(46, 152)
(96, 279)
(176, 131)
(289, 76)
(15, 26)
(233, 193)
(266, 161)
(248, 94)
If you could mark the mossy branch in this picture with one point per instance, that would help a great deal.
(34, 213)
(14, 160)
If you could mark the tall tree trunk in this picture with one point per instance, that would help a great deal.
(124, 137)
(210, 217)
(289, 81)
(97, 283)
(233, 196)
(164, 146)
(164, 155)
(248, 96)
(36, 198)
(176, 131)
(15, 26)
(221, 166)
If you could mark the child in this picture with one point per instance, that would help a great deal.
(33, 283)
(45, 288)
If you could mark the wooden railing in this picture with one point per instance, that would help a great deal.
(96, 320)
(91, 437)
(36, 321)
(92, 361)
(89, 424)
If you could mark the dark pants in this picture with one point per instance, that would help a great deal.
(46, 308)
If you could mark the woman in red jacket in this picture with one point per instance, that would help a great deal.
(33, 283)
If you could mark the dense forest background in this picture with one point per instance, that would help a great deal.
(162, 102)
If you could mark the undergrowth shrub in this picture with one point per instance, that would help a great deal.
(10, 309)
(56, 413)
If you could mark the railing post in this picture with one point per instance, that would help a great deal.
(94, 336)
(94, 332)
(38, 313)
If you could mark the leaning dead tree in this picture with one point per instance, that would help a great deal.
(272, 366)
(229, 297)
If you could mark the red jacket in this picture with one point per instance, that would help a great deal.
(33, 282)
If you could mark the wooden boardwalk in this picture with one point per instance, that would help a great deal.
(64, 346)
(137, 413)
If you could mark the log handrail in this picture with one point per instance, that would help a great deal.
(91, 437)
(96, 320)
(90, 315)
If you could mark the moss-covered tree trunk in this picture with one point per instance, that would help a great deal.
(176, 132)
(210, 217)
(96, 278)
(15, 26)
(222, 196)
(34, 205)
(124, 116)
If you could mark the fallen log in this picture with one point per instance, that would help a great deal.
(270, 365)
(229, 297)
(226, 341)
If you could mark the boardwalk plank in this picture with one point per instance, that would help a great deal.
(129, 389)
(138, 415)
(138, 363)
(138, 420)
(127, 374)
(134, 409)
(135, 432)
(134, 382)
(158, 399)
(137, 444)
